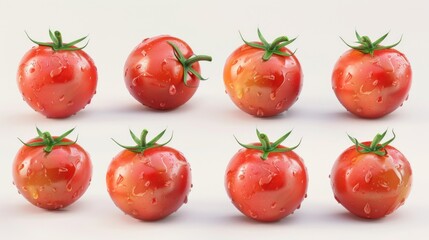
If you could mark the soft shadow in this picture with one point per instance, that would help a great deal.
(241, 219)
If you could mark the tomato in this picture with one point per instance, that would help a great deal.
(57, 79)
(266, 181)
(149, 181)
(263, 79)
(52, 172)
(162, 72)
(370, 179)
(371, 80)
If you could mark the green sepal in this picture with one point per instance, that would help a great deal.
(270, 48)
(366, 46)
(376, 146)
(57, 42)
(48, 141)
(266, 146)
(142, 144)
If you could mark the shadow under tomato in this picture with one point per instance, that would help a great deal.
(241, 219)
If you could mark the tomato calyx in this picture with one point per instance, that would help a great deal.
(49, 141)
(57, 43)
(187, 63)
(266, 146)
(375, 147)
(142, 143)
(367, 46)
(271, 48)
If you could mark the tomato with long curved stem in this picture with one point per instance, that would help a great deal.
(372, 80)
(52, 172)
(371, 179)
(163, 73)
(263, 79)
(266, 181)
(57, 79)
(149, 181)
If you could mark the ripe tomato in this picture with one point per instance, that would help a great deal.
(371, 80)
(162, 72)
(149, 181)
(263, 79)
(266, 181)
(52, 172)
(370, 179)
(57, 79)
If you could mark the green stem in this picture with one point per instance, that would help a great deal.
(59, 38)
(142, 144)
(198, 58)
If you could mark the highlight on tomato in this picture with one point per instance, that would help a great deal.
(266, 181)
(57, 79)
(371, 179)
(52, 172)
(163, 72)
(263, 79)
(372, 80)
(149, 181)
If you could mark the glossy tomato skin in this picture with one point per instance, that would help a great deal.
(57, 84)
(154, 76)
(150, 185)
(266, 190)
(262, 88)
(372, 86)
(371, 186)
(52, 180)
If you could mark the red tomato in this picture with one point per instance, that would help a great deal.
(52, 172)
(371, 180)
(263, 79)
(149, 181)
(162, 72)
(57, 79)
(371, 80)
(266, 181)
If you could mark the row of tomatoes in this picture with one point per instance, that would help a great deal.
(264, 79)
(265, 180)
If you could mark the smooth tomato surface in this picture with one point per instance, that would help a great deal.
(149, 185)
(52, 180)
(57, 83)
(262, 88)
(371, 186)
(266, 190)
(372, 86)
(154, 76)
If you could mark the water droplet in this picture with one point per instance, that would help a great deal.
(280, 105)
(395, 83)
(70, 103)
(282, 210)
(82, 68)
(54, 189)
(75, 194)
(273, 205)
(162, 104)
(258, 94)
(147, 184)
(21, 167)
(299, 206)
(61, 99)
(29, 172)
(265, 180)
(234, 62)
(134, 212)
(359, 110)
(367, 209)
(129, 201)
(273, 96)
(153, 200)
(348, 78)
(126, 72)
(31, 70)
(260, 113)
(172, 90)
(56, 72)
(239, 70)
(241, 176)
(368, 176)
(253, 215)
(246, 90)
(138, 66)
(356, 188)
(380, 99)
(119, 179)
(269, 77)
(239, 93)
(62, 170)
(375, 83)
(69, 187)
(144, 53)
(305, 195)
(34, 194)
(185, 201)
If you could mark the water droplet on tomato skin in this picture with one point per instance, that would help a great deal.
(154, 201)
(355, 188)
(282, 210)
(241, 176)
(273, 96)
(29, 172)
(56, 72)
(239, 70)
(172, 90)
(138, 66)
(162, 104)
(70, 103)
(348, 78)
(367, 209)
(147, 184)
(253, 215)
(31, 70)
(380, 99)
(368, 177)
(126, 72)
(359, 110)
(62, 170)
(69, 187)
(21, 166)
(259, 113)
(185, 201)
(134, 212)
(273, 205)
(119, 179)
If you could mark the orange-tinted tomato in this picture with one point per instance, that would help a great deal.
(369, 185)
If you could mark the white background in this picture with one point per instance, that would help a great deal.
(204, 127)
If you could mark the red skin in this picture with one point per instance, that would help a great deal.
(154, 76)
(150, 185)
(371, 186)
(266, 190)
(262, 88)
(57, 84)
(55, 180)
(372, 86)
